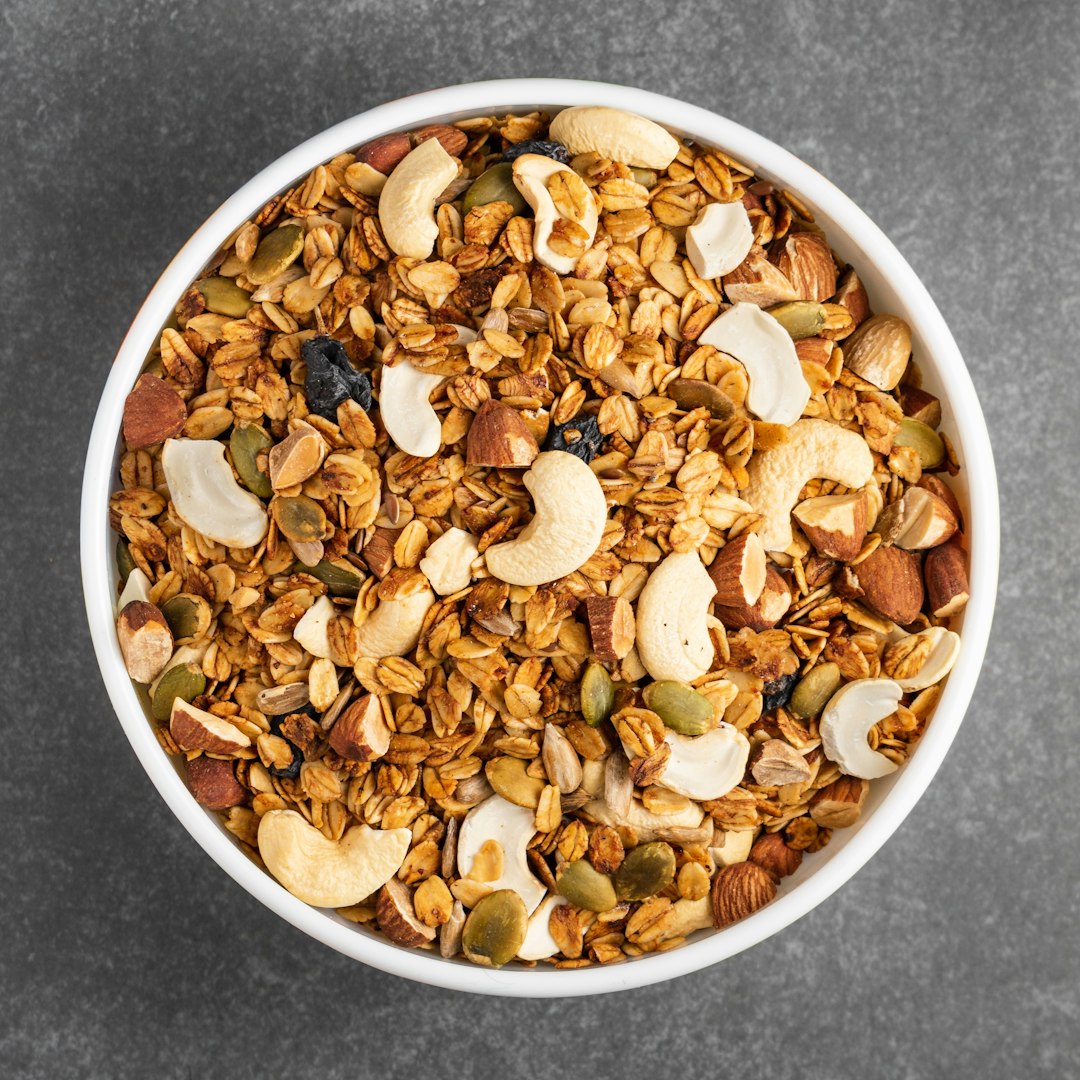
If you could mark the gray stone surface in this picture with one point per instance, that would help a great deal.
(126, 953)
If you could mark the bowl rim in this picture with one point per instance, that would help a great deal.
(771, 159)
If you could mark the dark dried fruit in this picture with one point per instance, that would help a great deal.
(580, 437)
(278, 727)
(778, 692)
(331, 379)
(550, 149)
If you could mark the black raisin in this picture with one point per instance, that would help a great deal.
(584, 439)
(554, 150)
(331, 379)
(292, 770)
(778, 692)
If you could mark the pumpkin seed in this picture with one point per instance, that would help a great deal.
(338, 580)
(495, 929)
(185, 681)
(188, 616)
(644, 177)
(646, 870)
(282, 700)
(681, 708)
(245, 444)
(923, 439)
(814, 690)
(495, 185)
(224, 297)
(508, 777)
(299, 518)
(277, 251)
(597, 694)
(124, 562)
(585, 887)
(695, 393)
(800, 318)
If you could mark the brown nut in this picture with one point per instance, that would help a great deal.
(453, 140)
(834, 524)
(946, 580)
(771, 606)
(921, 405)
(839, 805)
(361, 733)
(739, 571)
(213, 783)
(611, 626)
(891, 583)
(806, 261)
(852, 295)
(196, 729)
(776, 763)
(772, 854)
(396, 917)
(499, 438)
(738, 891)
(378, 552)
(145, 640)
(153, 412)
(383, 153)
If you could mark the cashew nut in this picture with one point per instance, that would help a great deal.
(511, 827)
(205, 493)
(324, 873)
(720, 238)
(705, 766)
(568, 523)
(644, 822)
(672, 633)
(447, 563)
(538, 943)
(690, 915)
(137, 587)
(778, 391)
(939, 661)
(407, 201)
(532, 174)
(613, 133)
(814, 448)
(393, 628)
(407, 414)
(733, 847)
(852, 711)
(311, 631)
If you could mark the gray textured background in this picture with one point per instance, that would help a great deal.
(125, 952)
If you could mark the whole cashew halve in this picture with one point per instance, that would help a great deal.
(672, 630)
(616, 134)
(407, 201)
(852, 711)
(324, 873)
(532, 173)
(568, 523)
(406, 411)
(814, 448)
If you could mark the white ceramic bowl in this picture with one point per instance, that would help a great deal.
(892, 286)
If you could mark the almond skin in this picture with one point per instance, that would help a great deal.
(739, 571)
(378, 552)
(921, 405)
(945, 571)
(757, 281)
(772, 854)
(360, 732)
(194, 729)
(145, 640)
(834, 524)
(385, 152)
(879, 350)
(739, 890)
(771, 606)
(936, 486)
(892, 584)
(213, 783)
(397, 920)
(153, 412)
(839, 805)
(611, 626)
(499, 438)
(453, 139)
(806, 261)
(852, 295)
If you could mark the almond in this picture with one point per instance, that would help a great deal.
(839, 805)
(769, 608)
(397, 918)
(852, 295)
(772, 854)
(936, 486)
(806, 261)
(361, 733)
(776, 763)
(921, 405)
(834, 524)
(891, 583)
(385, 152)
(453, 139)
(213, 783)
(153, 412)
(815, 350)
(918, 519)
(196, 729)
(946, 580)
(145, 640)
(738, 571)
(739, 890)
(879, 351)
(611, 626)
(297, 457)
(756, 281)
(499, 438)
(378, 552)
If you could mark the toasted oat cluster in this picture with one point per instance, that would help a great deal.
(532, 542)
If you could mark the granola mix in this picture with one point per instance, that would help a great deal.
(532, 542)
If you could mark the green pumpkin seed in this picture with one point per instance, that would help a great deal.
(508, 777)
(597, 694)
(224, 297)
(184, 681)
(644, 177)
(299, 518)
(645, 871)
(277, 251)
(813, 691)
(338, 580)
(925, 441)
(245, 444)
(586, 888)
(495, 929)
(695, 393)
(800, 318)
(124, 562)
(188, 615)
(681, 707)
(495, 185)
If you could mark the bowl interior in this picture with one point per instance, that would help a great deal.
(892, 286)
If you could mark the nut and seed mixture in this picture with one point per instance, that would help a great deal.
(532, 542)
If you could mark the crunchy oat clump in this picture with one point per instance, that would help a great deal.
(548, 777)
